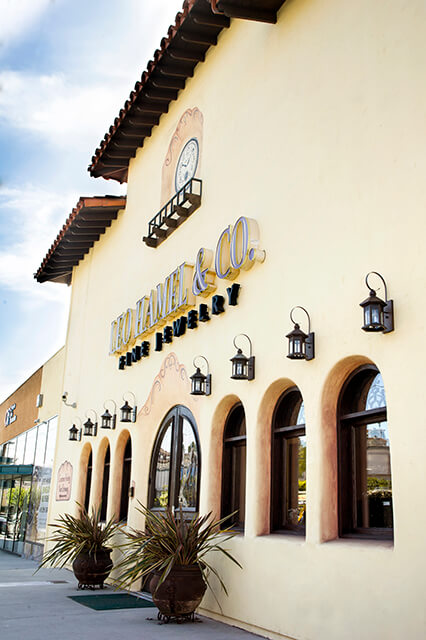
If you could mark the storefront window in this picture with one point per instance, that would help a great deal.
(365, 482)
(41, 445)
(51, 442)
(20, 448)
(88, 482)
(288, 474)
(125, 480)
(234, 468)
(105, 484)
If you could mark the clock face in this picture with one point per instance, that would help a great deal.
(187, 163)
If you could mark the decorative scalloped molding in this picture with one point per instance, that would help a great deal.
(180, 131)
(170, 365)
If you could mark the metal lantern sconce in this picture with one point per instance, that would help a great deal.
(128, 413)
(90, 428)
(378, 313)
(109, 421)
(301, 345)
(75, 433)
(201, 385)
(242, 367)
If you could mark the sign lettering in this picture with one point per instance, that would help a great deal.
(237, 249)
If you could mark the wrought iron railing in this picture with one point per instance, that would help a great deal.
(175, 211)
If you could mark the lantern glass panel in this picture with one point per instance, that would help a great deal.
(126, 410)
(297, 346)
(106, 420)
(88, 428)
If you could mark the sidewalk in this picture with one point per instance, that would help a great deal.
(37, 607)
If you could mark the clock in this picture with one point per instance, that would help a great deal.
(187, 163)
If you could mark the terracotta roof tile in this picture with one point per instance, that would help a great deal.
(86, 222)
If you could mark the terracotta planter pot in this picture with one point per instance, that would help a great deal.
(180, 593)
(92, 569)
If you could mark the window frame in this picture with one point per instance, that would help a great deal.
(174, 418)
(230, 445)
(106, 477)
(347, 457)
(279, 485)
(126, 469)
(88, 484)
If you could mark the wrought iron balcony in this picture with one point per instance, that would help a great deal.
(175, 211)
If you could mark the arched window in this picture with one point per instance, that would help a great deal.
(105, 484)
(365, 485)
(175, 463)
(88, 482)
(234, 468)
(288, 471)
(125, 480)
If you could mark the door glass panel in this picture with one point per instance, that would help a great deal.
(13, 512)
(373, 485)
(188, 467)
(162, 470)
(22, 514)
(5, 486)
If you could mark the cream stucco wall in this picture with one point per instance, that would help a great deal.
(315, 128)
(51, 385)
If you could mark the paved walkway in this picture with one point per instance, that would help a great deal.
(36, 607)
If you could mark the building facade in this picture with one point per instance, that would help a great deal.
(274, 177)
(27, 449)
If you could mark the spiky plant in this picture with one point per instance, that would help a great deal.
(169, 540)
(73, 535)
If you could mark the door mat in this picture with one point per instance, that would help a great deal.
(103, 602)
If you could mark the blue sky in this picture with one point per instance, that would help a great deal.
(66, 68)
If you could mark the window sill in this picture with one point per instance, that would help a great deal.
(360, 542)
(283, 537)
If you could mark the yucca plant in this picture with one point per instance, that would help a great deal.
(170, 540)
(74, 535)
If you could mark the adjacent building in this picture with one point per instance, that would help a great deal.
(28, 428)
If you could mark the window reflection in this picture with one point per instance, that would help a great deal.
(234, 468)
(162, 471)
(373, 476)
(376, 395)
(20, 448)
(30, 447)
(188, 467)
(105, 484)
(365, 482)
(175, 464)
(289, 464)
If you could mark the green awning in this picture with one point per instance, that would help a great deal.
(16, 469)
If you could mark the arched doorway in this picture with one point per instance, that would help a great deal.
(174, 479)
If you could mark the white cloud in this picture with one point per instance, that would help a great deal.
(64, 114)
(75, 109)
(33, 217)
(18, 16)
